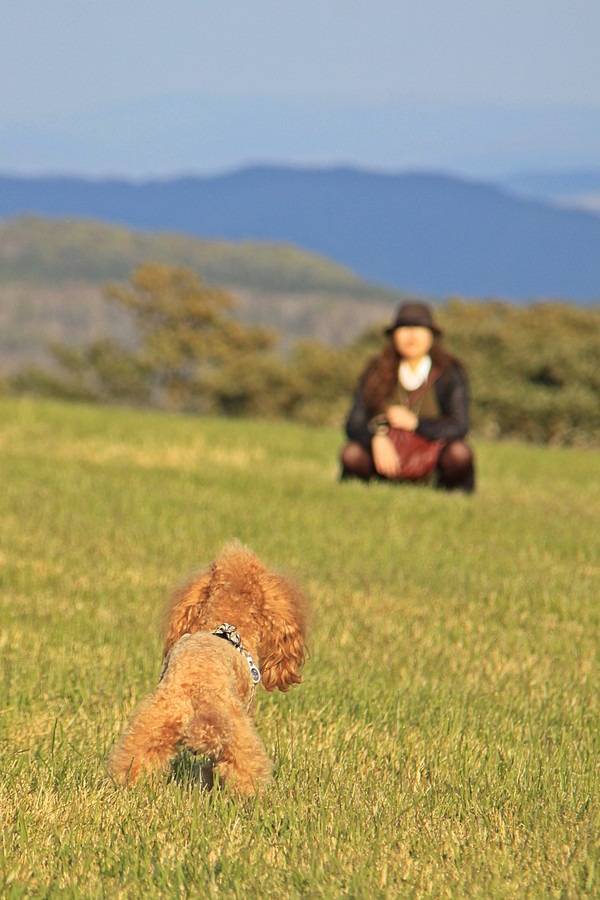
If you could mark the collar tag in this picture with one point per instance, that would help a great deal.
(229, 633)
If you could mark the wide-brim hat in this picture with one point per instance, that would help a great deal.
(414, 313)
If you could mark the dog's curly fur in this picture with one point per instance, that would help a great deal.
(205, 698)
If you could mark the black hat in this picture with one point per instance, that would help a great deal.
(414, 313)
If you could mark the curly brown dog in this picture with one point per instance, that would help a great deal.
(231, 628)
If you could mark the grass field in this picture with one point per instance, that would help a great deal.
(445, 741)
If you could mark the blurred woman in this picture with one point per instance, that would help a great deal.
(410, 414)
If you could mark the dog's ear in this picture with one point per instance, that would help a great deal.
(187, 609)
(284, 636)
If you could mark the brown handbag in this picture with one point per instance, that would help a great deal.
(418, 456)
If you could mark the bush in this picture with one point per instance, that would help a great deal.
(533, 371)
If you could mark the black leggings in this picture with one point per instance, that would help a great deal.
(455, 466)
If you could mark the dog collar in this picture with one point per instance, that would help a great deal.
(229, 633)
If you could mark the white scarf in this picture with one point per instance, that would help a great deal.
(410, 378)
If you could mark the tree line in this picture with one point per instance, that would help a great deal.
(533, 370)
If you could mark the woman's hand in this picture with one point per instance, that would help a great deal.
(385, 457)
(401, 417)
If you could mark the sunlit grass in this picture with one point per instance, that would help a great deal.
(445, 741)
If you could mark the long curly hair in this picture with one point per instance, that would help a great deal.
(269, 612)
(380, 377)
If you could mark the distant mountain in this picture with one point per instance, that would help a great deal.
(577, 189)
(555, 183)
(428, 233)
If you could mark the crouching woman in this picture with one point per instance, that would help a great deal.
(410, 413)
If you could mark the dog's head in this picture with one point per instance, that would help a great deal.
(269, 613)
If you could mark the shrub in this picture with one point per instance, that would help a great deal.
(533, 371)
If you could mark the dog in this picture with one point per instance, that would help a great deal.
(234, 627)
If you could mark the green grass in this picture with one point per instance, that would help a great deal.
(445, 741)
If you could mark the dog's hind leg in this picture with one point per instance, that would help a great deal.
(151, 739)
(243, 763)
(234, 747)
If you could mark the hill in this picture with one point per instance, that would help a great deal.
(52, 272)
(50, 252)
(420, 232)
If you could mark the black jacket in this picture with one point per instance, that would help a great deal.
(452, 392)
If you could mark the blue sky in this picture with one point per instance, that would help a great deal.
(154, 88)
